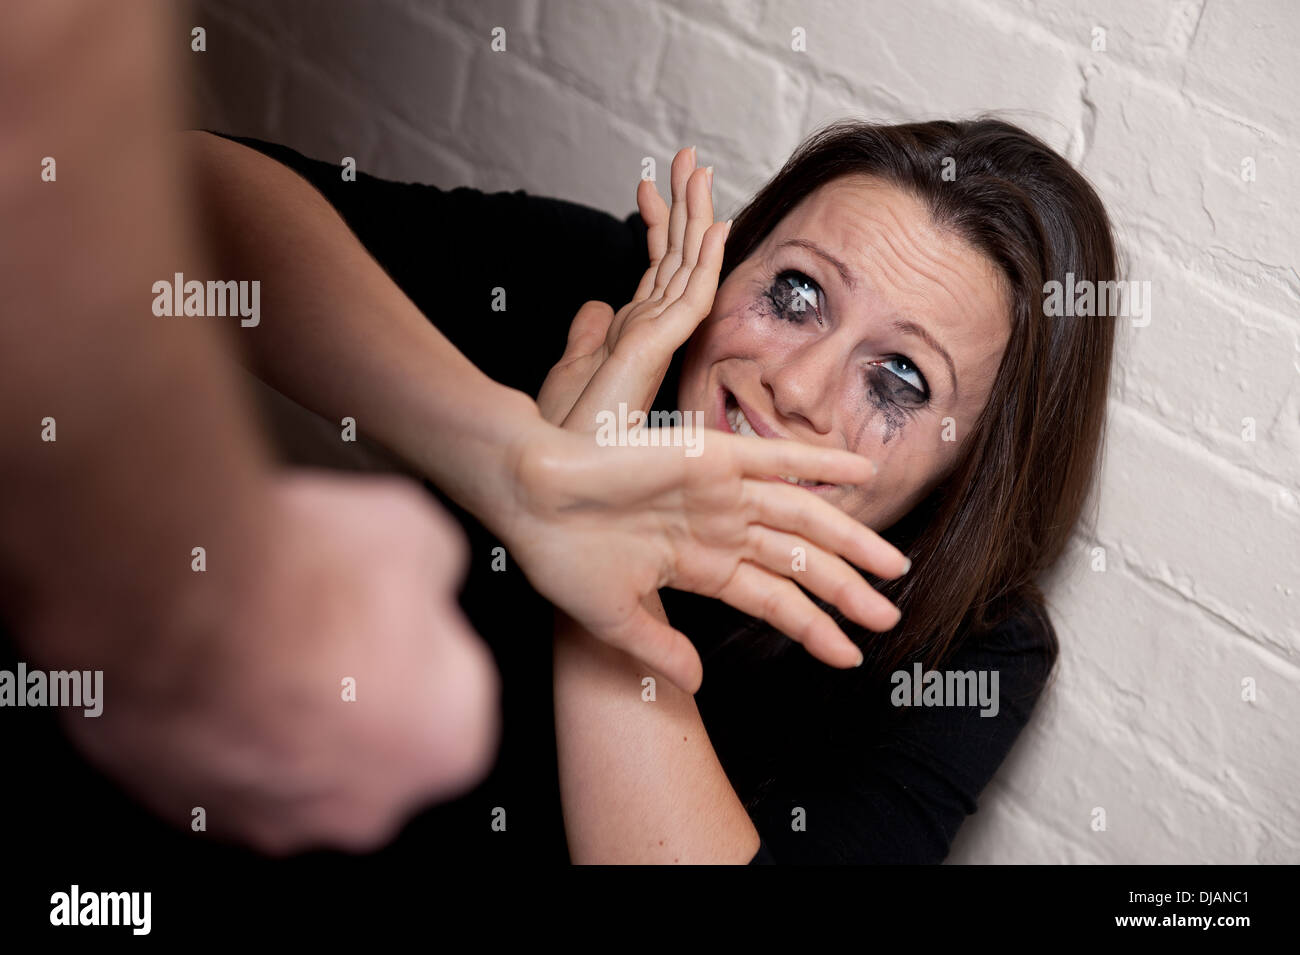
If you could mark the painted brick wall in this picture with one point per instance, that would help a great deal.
(1199, 526)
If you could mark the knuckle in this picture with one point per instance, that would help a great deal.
(275, 842)
(845, 592)
(369, 830)
(771, 603)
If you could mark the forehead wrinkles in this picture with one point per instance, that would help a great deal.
(888, 238)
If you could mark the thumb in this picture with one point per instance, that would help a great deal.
(588, 329)
(661, 647)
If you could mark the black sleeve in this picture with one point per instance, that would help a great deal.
(901, 791)
(450, 250)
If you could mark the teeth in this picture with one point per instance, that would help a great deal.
(791, 479)
(739, 424)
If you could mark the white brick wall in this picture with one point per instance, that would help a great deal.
(1201, 529)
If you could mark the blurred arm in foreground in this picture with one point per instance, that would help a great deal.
(223, 687)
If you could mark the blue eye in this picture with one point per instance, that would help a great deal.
(793, 296)
(901, 367)
(803, 292)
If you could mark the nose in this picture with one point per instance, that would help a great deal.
(802, 383)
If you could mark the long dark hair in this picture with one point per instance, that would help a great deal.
(980, 541)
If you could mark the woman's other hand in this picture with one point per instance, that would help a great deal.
(623, 357)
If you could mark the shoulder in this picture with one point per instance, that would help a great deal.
(1022, 648)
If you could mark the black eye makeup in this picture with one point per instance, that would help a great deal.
(794, 297)
(894, 386)
(892, 389)
(900, 379)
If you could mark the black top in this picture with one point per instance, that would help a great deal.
(828, 769)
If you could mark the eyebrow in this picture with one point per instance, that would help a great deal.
(906, 326)
(846, 276)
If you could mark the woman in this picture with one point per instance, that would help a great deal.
(870, 302)
(880, 294)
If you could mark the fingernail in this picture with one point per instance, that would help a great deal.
(709, 172)
(860, 659)
(695, 159)
(726, 232)
(907, 565)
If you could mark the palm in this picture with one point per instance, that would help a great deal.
(599, 529)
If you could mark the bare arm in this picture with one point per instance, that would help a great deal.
(106, 514)
(639, 779)
(127, 443)
(340, 337)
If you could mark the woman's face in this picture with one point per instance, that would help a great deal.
(856, 324)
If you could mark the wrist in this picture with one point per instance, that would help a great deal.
(502, 464)
(459, 430)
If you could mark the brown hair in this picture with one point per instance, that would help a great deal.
(982, 538)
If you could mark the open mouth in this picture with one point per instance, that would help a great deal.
(734, 414)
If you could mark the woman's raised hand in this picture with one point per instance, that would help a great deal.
(597, 529)
(623, 357)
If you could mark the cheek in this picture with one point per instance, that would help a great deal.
(729, 333)
(911, 457)
(902, 481)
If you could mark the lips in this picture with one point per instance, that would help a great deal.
(740, 420)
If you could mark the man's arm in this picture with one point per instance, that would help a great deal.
(126, 444)
(108, 511)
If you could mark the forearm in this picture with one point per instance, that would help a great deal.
(340, 337)
(639, 780)
(148, 451)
